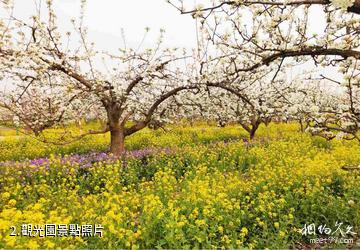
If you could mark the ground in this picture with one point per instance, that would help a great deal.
(200, 186)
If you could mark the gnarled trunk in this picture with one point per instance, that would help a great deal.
(116, 128)
(302, 129)
(252, 133)
(117, 146)
(254, 127)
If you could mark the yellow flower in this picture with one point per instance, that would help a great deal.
(134, 247)
(276, 225)
(42, 200)
(6, 195)
(226, 239)
(282, 234)
(282, 201)
(10, 241)
(137, 234)
(32, 244)
(200, 222)
(50, 244)
(37, 206)
(244, 231)
(12, 202)
(181, 223)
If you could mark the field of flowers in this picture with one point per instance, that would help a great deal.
(202, 187)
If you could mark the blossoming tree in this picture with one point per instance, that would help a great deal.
(255, 37)
(252, 35)
(249, 106)
(333, 114)
(51, 79)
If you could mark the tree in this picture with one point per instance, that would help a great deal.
(249, 106)
(245, 102)
(326, 107)
(254, 34)
(338, 114)
(256, 37)
(351, 6)
(51, 76)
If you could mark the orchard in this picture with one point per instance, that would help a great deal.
(246, 137)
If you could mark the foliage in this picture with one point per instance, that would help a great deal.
(196, 194)
(25, 147)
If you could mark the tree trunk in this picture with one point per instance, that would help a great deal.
(117, 146)
(301, 125)
(255, 125)
(252, 133)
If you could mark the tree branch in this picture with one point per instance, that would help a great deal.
(311, 51)
(152, 109)
(353, 9)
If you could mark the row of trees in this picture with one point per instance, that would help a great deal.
(238, 73)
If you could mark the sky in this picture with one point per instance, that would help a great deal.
(105, 20)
